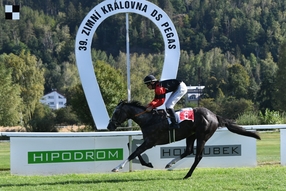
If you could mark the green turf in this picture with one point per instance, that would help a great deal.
(268, 148)
(266, 177)
(4, 155)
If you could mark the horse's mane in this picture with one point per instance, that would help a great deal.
(135, 103)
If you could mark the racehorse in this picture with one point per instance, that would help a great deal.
(155, 129)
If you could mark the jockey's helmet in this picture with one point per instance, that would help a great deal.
(149, 78)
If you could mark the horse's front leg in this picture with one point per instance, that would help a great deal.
(143, 147)
(116, 169)
(142, 161)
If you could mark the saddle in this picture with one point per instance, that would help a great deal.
(185, 114)
(181, 115)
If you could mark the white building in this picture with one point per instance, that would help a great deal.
(54, 100)
(194, 93)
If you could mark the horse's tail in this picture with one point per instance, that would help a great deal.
(232, 127)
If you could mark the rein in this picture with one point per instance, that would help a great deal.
(140, 113)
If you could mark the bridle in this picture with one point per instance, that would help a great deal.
(116, 122)
(113, 121)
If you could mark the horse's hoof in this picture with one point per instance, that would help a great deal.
(150, 165)
(168, 166)
(186, 177)
(114, 170)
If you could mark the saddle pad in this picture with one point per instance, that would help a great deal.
(185, 114)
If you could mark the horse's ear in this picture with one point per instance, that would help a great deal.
(122, 101)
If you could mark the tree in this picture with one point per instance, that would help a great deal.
(10, 100)
(140, 66)
(280, 79)
(28, 73)
(213, 88)
(238, 82)
(265, 96)
(184, 71)
(65, 116)
(167, 6)
(112, 86)
(232, 107)
(43, 119)
(210, 104)
(78, 102)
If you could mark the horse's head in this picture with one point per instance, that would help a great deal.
(119, 116)
(127, 110)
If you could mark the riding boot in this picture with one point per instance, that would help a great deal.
(174, 124)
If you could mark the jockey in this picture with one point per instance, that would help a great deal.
(178, 89)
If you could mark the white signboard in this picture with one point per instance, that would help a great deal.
(46, 155)
(224, 149)
(83, 42)
(65, 153)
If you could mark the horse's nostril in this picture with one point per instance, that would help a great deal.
(111, 126)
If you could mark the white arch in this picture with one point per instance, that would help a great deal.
(84, 39)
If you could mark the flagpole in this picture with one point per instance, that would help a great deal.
(128, 63)
(128, 83)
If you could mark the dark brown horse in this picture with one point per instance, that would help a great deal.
(155, 128)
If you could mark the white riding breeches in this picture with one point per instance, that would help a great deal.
(176, 96)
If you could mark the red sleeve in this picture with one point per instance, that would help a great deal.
(160, 96)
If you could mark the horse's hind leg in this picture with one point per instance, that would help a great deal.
(202, 138)
(199, 150)
(189, 150)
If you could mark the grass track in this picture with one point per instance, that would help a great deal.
(269, 177)
(268, 148)
(4, 155)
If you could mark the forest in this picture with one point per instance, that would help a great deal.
(236, 49)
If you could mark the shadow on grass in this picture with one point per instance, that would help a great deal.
(86, 182)
(92, 181)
